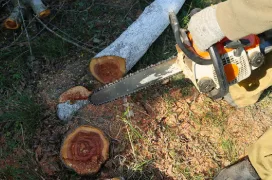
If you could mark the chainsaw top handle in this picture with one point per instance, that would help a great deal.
(215, 60)
(191, 55)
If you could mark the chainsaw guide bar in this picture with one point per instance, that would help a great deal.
(135, 82)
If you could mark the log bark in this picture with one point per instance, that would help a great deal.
(15, 19)
(85, 149)
(20, 8)
(39, 8)
(71, 101)
(134, 42)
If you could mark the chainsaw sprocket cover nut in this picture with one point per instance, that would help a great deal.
(206, 84)
(256, 59)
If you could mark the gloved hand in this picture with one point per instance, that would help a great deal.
(240, 170)
(204, 28)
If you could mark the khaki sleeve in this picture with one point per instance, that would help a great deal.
(239, 18)
(248, 91)
(260, 155)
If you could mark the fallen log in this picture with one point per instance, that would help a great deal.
(38, 7)
(15, 19)
(20, 9)
(120, 56)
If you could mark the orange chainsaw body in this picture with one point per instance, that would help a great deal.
(254, 42)
(231, 70)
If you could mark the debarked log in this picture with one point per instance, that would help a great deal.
(120, 56)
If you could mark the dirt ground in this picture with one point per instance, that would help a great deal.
(174, 133)
(177, 133)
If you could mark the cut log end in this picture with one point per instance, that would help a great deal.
(85, 150)
(39, 8)
(107, 69)
(74, 94)
(44, 13)
(11, 24)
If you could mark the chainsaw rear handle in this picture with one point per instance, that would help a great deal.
(215, 60)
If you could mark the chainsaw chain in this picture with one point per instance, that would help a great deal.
(127, 76)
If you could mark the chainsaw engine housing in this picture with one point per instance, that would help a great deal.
(237, 65)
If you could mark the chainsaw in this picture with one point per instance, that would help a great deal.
(212, 72)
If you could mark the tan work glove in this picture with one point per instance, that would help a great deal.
(204, 28)
(206, 31)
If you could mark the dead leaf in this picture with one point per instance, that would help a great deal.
(38, 153)
(171, 121)
(49, 165)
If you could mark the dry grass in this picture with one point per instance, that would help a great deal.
(198, 137)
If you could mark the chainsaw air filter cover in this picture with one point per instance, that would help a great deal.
(236, 68)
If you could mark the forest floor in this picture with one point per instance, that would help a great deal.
(175, 133)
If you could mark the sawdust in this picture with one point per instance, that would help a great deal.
(73, 73)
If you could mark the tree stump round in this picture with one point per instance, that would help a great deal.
(85, 149)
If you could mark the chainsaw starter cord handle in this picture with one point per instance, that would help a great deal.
(176, 29)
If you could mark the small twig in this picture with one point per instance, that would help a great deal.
(63, 38)
(20, 55)
(131, 143)
(27, 36)
(70, 36)
(23, 136)
(127, 124)
(141, 112)
(130, 9)
(50, 20)
(86, 9)
(111, 5)
(5, 3)
(1, 152)
(116, 136)
(39, 175)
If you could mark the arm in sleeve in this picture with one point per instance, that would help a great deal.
(239, 18)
